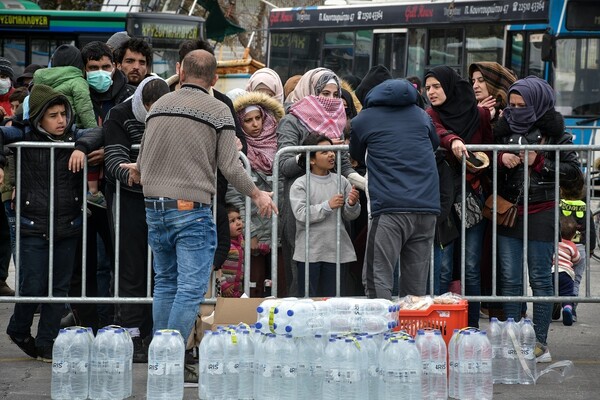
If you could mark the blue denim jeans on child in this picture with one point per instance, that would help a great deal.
(539, 261)
(33, 281)
(183, 246)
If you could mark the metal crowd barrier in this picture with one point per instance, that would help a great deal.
(587, 150)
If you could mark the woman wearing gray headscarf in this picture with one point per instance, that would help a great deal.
(314, 106)
(530, 118)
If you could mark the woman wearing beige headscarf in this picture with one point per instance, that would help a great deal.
(314, 106)
(490, 82)
(266, 81)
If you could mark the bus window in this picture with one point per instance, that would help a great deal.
(42, 49)
(516, 61)
(536, 65)
(416, 53)
(484, 43)
(338, 52)
(362, 53)
(576, 76)
(14, 50)
(294, 53)
(445, 47)
(390, 50)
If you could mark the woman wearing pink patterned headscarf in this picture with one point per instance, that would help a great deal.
(259, 115)
(314, 106)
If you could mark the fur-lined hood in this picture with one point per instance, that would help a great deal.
(261, 99)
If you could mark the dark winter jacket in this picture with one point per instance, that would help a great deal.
(542, 177)
(35, 179)
(399, 140)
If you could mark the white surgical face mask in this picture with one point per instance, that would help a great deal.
(5, 85)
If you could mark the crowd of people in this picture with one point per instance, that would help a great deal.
(399, 190)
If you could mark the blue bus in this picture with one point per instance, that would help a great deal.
(558, 40)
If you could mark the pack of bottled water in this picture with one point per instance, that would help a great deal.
(166, 358)
(111, 364)
(305, 317)
(470, 353)
(70, 364)
(513, 346)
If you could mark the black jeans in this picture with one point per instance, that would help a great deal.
(5, 244)
(33, 281)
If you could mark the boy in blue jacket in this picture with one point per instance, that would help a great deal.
(50, 120)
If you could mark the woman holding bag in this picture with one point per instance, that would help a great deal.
(458, 121)
(530, 118)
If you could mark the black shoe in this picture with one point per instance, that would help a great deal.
(44, 353)
(68, 320)
(140, 352)
(27, 345)
(5, 290)
(556, 311)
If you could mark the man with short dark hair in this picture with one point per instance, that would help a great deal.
(188, 135)
(134, 59)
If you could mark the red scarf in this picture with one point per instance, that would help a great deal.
(322, 115)
(262, 149)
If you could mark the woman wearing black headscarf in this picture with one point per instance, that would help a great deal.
(459, 121)
(530, 118)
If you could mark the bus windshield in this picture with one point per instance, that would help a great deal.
(577, 76)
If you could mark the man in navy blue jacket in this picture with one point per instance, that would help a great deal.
(398, 140)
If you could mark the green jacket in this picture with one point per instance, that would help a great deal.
(70, 82)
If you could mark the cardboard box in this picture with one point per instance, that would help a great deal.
(231, 311)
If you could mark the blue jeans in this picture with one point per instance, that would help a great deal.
(12, 221)
(33, 281)
(539, 260)
(183, 245)
(473, 248)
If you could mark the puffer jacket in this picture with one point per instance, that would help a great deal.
(551, 126)
(35, 178)
(70, 82)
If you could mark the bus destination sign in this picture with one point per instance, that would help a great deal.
(411, 14)
(12, 21)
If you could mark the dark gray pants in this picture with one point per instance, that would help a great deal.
(404, 236)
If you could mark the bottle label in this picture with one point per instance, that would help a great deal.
(497, 351)
(289, 371)
(395, 376)
(116, 367)
(233, 367)
(426, 367)
(485, 366)
(333, 375)
(350, 376)
(468, 367)
(527, 352)
(155, 369)
(437, 368)
(60, 367)
(510, 353)
(373, 370)
(80, 367)
(215, 368)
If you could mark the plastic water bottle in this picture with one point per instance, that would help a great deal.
(331, 381)
(246, 366)
(349, 367)
(107, 372)
(510, 344)
(128, 344)
(303, 378)
(371, 347)
(494, 333)
(165, 366)
(468, 367)
(400, 365)
(434, 379)
(485, 382)
(212, 368)
(528, 340)
(259, 363)
(271, 370)
(232, 363)
(289, 358)
(348, 305)
(70, 360)
(453, 367)
(371, 324)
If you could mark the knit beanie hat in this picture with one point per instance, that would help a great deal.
(376, 75)
(67, 55)
(117, 40)
(40, 96)
(6, 67)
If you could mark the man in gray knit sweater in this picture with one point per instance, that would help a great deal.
(188, 135)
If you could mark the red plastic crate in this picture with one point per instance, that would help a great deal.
(445, 317)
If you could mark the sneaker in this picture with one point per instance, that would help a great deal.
(542, 354)
(44, 353)
(27, 345)
(556, 311)
(5, 290)
(96, 199)
(567, 315)
(574, 315)
(140, 351)
(190, 375)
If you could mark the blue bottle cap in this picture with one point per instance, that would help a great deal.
(290, 313)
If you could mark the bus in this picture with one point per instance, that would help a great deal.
(30, 36)
(558, 40)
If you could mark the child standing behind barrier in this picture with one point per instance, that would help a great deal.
(568, 256)
(324, 199)
(50, 120)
